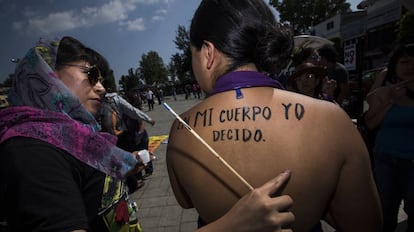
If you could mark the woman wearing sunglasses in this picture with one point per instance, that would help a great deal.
(311, 80)
(54, 160)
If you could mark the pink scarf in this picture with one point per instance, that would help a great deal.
(43, 108)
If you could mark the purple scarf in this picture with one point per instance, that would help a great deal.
(243, 79)
(43, 108)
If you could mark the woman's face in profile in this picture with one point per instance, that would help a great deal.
(76, 79)
(405, 68)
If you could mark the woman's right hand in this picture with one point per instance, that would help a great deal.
(329, 87)
(388, 94)
(381, 99)
(259, 210)
(139, 166)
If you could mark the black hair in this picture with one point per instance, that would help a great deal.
(303, 55)
(328, 52)
(319, 72)
(246, 31)
(402, 49)
(72, 50)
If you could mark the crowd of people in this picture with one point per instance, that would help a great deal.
(84, 142)
(52, 150)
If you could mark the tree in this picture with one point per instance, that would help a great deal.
(176, 68)
(180, 63)
(109, 82)
(130, 81)
(405, 27)
(152, 68)
(8, 81)
(303, 14)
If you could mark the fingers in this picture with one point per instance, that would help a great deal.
(272, 186)
(283, 203)
(138, 158)
(286, 219)
(403, 83)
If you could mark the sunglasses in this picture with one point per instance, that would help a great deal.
(306, 77)
(315, 58)
(93, 73)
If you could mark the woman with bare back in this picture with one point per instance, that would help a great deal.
(261, 130)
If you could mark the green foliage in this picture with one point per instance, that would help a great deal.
(176, 68)
(303, 14)
(130, 81)
(109, 82)
(405, 27)
(180, 63)
(152, 68)
(182, 40)
(8, 81)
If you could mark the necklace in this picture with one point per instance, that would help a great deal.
(243, 79)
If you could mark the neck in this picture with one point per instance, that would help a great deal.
(247, 67)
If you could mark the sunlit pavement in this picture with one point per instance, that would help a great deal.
(158, 209)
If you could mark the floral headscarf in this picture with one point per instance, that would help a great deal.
(42, 107)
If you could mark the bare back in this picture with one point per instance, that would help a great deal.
(262, 134)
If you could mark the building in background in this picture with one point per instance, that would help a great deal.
(364, 39)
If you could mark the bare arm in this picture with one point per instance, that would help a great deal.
(380, 101)
(258, 211)
(374, 116)
(377, 110)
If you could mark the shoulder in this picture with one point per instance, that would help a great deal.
(318, 110)
(23, 151)
(340, 68)
(20, 144)
(30, 166)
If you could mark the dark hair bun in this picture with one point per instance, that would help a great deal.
(274, 49)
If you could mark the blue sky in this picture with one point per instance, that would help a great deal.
(121, 30)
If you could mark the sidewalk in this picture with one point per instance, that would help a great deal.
(158, 209)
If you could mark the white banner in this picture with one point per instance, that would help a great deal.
(350, 57)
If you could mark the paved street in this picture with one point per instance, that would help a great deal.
(158, 209)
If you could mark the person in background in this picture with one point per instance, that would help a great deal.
(113, 110)
(311, 80)
(174, 93)
(50, 125)
(336, 71)
(150, 99)
(258, 128)
(160, 95)
(135, 138)
(306, 55)
(142, 142)
(391, 112)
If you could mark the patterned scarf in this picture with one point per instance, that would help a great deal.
(43, 108)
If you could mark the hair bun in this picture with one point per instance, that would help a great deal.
(274, 48)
